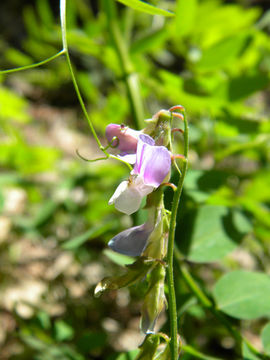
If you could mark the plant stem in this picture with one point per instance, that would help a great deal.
(75, 84)
(170, 279)
(208, 304)
(128, 71)
(26, 67)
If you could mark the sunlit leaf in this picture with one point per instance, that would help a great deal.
(117, 258)
(92, 233)
(134, 272)
(185, 17)
(265, 336)
(210, 233)
(145, 7)
(243, 294)
(223, 53)
(63, 331)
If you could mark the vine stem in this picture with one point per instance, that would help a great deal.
(75, 84)
(170, 277)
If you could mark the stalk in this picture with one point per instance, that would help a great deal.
(170, 277)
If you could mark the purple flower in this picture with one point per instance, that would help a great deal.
(132, 241)
(126, 141)
(152, 166)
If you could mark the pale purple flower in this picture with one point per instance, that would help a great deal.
(132, 241)
(126, 141)
(152, 166)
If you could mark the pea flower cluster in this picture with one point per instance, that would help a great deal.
(152, 166)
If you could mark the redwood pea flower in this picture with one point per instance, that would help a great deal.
(126, 141)
(132, 241)
(152, 166)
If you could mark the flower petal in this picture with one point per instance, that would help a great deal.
(144, 140)
(153, 163)
(156, 164)
(132, 241)
(129, 158)
(128, 138)
(126, 199)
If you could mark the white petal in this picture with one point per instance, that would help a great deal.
(129, 158)
(126, 198)
(129, 201)
(141, 187)
(128, 195)
(121, 188)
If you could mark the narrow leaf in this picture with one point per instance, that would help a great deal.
(88, 235)
(135, 272)
(145, 7)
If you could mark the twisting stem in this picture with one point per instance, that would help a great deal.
(170, 278)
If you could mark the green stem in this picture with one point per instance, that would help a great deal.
(128, 71)
(77, 90)
(33, 65)
(75, 84)
(208, 304)
(170, 279)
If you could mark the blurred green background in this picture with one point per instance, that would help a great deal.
(213, 58)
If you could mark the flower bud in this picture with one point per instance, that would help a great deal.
(127, 138)
(159, 127)
(154, 299)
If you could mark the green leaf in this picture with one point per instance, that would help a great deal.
(135, 272)
(118, 259)
(12, 106)
(222, 53)
(245, 85)
(149, 42)
(149, 347)
(266, 338)
(91, 340)
(154, 299)
(243, 294)
(131, 355)
(185, 16)
(63, 331)
(145, 7)
(46, 211)
(208, 234)
(92, 233)
(248, 354)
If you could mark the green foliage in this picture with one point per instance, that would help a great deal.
(145, 7)
(212, 232)
(243, 294)
(266, 338)
(211, 56)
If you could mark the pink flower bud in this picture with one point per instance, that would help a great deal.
(127, 138)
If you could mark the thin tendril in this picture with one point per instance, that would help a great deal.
(90, 160)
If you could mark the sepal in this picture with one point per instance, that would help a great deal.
(149, 347)
(154, 299)
(135, 272)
